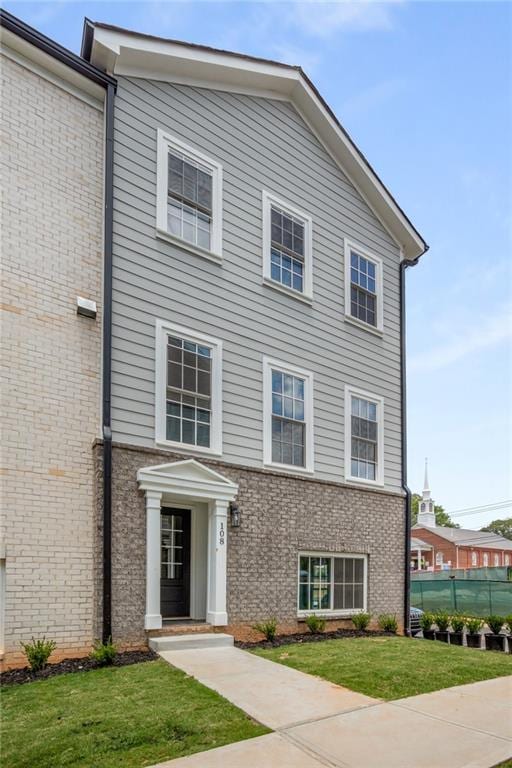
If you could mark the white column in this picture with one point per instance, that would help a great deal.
(419, 560)
(216, 613)
(153, 617)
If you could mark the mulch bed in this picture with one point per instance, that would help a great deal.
(25, 675)
(300, 637)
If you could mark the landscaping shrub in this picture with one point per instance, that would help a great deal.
(361, 621)
(315, 624)
(267, 628)
(426, 621)
(442, 620)
(38, 652)
(388, 623)
(508, 622)
(495, 623)
(104, 653)
(457, 623)
(474, 625)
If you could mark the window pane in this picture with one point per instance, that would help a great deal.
(203, 435)
(174, 375)
(303, 597)
(304, 569)
(277, 405)
(276, 452)
(173, 429)
(188, 432)
(287, 453)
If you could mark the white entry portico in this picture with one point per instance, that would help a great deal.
(187, 483)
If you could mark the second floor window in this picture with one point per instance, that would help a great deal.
(363, 437)
(286, 247)
(189, 197)
(363, 289)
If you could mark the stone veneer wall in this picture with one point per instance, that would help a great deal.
(280, 516)
(52, 242)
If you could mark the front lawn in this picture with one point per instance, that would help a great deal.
(391, 667)
(129, 716)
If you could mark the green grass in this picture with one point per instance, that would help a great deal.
(127, 716)
(391, 667)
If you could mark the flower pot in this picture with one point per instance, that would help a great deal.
(455, 638)
(474, 641)
(442, 635)
(429, 634)
(495, 642)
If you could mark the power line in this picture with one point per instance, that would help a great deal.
(494, 507)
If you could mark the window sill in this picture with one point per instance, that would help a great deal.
(184, 448)
(289, 468)
(361, 481)
(334, 614)
(162, 234)
(288, 291)
(364, 326)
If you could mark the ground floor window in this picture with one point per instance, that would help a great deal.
(332, 583)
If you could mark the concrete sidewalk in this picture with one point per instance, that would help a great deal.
(318, 723)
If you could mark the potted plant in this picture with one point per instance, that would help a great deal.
(473, 637)
(457, 623)
(426, 621)
(442, 620)
(493, 640)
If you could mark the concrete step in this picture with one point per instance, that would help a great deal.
(188, 642)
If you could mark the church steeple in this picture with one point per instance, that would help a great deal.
(426, 513)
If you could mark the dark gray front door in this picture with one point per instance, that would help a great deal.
(175, 563)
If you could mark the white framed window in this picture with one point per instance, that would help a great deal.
(507, 559)
(332, 583)
(188, 390)
(496, 559)
(364, 437)
(486, 559)
(189, 197)
(287, 248)
(474, 558)
(363, 287)
(288, 416)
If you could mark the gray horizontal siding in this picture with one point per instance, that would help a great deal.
(262, 144)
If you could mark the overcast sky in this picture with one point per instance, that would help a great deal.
(425, 90)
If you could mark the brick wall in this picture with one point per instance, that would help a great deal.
(52, 171)
(280, 516)
(462, 559)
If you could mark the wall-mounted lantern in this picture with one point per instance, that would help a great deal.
(85, 307)
(236, 515)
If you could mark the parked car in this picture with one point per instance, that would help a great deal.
(414, 620)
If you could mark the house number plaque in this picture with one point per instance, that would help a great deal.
(221, 534)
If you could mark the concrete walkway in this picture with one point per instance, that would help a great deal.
(317, 723)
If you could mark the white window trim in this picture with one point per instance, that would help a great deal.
(163, 330)
(334, 612)
(268, 365)
(267, 200)
(351, 392)
(166, 142)
(350, 245)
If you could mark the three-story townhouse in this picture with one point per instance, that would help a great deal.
(254, 448)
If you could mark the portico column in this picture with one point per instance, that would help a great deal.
(216, 613)
(153, 617)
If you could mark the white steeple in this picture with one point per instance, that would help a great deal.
(426, 513)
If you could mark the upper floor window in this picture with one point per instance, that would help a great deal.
(189, 192)
(363, 288)
(287, 257)
(364, 441)
(188, 389)
(288, 416)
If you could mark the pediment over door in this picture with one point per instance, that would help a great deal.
(188, 478)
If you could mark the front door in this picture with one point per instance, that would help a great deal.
(175, 563)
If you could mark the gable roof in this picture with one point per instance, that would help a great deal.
(124, 52)
(463, 537)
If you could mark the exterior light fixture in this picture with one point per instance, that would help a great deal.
(235, 513)
(85, 307)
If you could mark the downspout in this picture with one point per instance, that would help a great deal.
(107, 364)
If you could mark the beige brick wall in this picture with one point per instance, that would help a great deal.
(51, 240)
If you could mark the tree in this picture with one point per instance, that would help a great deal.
(501, 527)
(442, 518)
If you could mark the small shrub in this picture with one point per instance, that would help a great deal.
(315, 624)
(442, 620)
(388, 622)
(474, 625)
(267, 628)
(457, 623)
(426, 621)
(361, 621)
(495, 623)
(104, 653)
(508, 622)
(38, 652)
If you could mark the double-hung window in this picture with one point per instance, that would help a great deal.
(189, 191)
(287, 257)
(364, 443)
(363, 286)
(288, 416)
(188, 389)
(332, 583)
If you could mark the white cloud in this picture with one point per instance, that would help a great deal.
(321, 19)
(486, 333)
